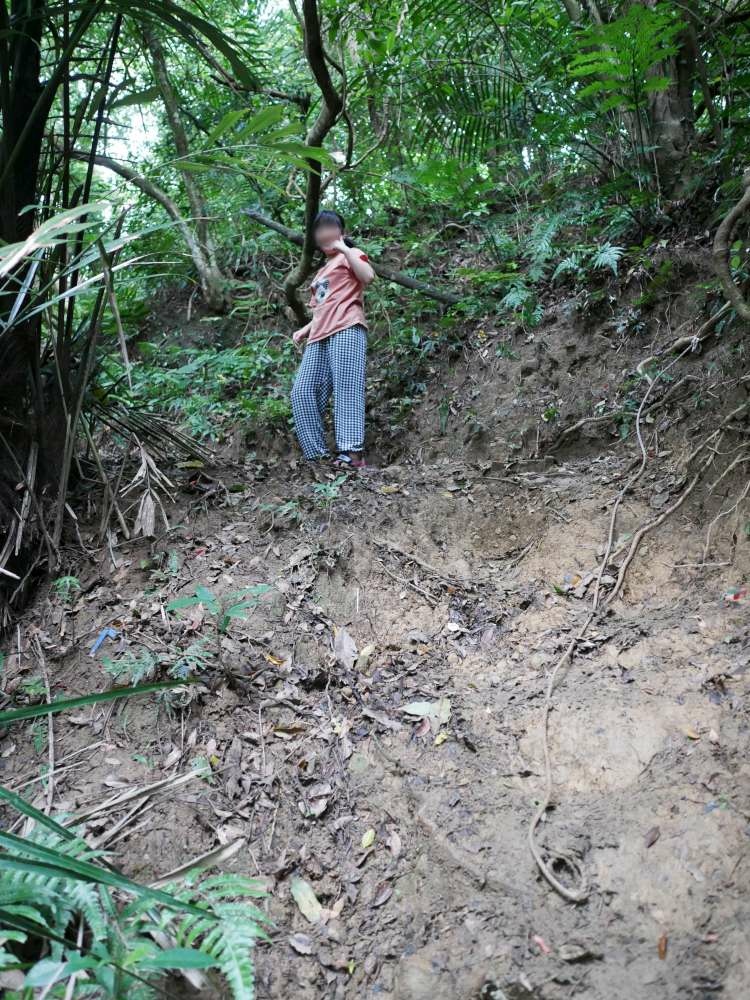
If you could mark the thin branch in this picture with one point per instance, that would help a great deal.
(398, 277)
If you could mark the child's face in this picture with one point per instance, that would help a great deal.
(326, 235)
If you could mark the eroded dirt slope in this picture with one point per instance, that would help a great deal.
(448, 584)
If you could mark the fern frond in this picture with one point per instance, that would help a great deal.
(607, 256)
(571, 263)
(55, 899)
(227, 933)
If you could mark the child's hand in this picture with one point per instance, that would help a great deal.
(299, 335)
(337, 245)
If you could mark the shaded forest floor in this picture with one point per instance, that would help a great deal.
(375, 726)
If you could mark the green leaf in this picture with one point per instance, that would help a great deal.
(140, 97)
(264, 119)
(207, 598)
(51, 862)
(178, 958)
(226, 123)
(657, 83)
(63, 704)
(27, 809)
(48, 971)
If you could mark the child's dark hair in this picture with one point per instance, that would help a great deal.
(328, 217)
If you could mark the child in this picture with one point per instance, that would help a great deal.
(334, 358)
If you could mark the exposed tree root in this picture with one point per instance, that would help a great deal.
(546, 859)
(722, 251)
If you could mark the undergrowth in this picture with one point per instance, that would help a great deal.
(80, 932)
(208, 389)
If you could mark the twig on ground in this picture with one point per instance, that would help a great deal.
(408, 583)
(719, 516)
(481, 878)
(50, 727)
(439, 574)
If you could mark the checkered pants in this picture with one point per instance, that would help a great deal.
(335, 365)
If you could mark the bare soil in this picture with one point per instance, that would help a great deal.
(455, 576)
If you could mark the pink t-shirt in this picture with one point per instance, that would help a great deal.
(336, 298)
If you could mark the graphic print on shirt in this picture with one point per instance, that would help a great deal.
(321, 289)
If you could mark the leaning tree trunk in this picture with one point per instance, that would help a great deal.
(722, 250)
(204, 255)
(331, 108)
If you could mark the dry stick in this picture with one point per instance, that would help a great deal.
(107, 271)
(408, 583)
(598, 418)
(50, 729)
(51, 547)
(480, 877)
(655, 524)
(574, 895)
(451, 581)
(109, 495)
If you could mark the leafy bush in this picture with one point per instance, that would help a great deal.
(207, 390)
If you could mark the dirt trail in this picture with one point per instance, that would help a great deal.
(450, 585)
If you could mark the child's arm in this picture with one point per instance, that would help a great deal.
(357, 260)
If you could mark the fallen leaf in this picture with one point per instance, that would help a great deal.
(299, 556)
(368, 839)
(364, 656)
(382, 894)
(382, 718)
(306, 900)
(314, 807)
(662, 947)
(393, 843)
(436, 711)
(301, 943)
(691, 734)
(344, 648)
(440, 738)
(418, 708)
(542, 945)
(652, 836)
(391, 488)
(574, 952)
(423, 728)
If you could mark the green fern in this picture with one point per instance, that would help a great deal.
(568, 265)
(56, 899)
(226, 935)
(607, 256)
(49, 887)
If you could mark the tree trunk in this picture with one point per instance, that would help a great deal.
(331, 108)
(671, 113)
(398, 277)
(205, 275)
(204, 254)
